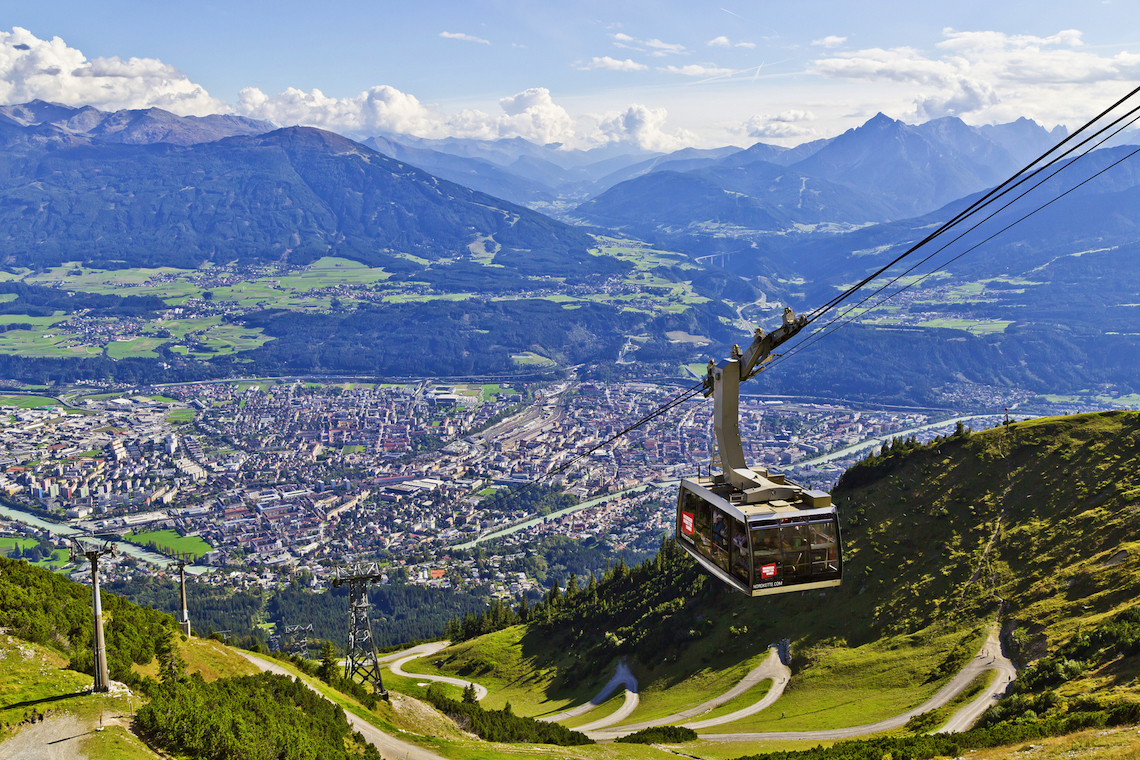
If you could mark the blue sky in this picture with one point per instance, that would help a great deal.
(662, 74)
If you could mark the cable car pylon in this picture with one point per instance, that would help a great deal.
(181, 560)
(753, 530)
(84, 546)
(360, 655)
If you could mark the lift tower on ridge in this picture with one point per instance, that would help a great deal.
(182, 559)
(94, 547)
(360, 656)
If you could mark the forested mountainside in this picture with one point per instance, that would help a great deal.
(939, 542)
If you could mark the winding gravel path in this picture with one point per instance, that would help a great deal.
(622, 677)
(771, 668)
(968, 715)
(989, 658)
(424, 650)
(390, 747)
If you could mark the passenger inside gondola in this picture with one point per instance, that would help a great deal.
(741, 556)
(720, 540)
(703, 532)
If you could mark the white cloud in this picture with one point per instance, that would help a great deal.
(758, 127)
(657, 47)
(745, 44)
(531, 114)
(830, 41)
(697, 70)
(783, 124)
(665, 46)
(639, 125)
(794, 115)
(462, 36)
(613, 64)
(994, 76)
(31, 68)
(721, 41)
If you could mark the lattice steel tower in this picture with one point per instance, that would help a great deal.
(360, 656)
(297, 638)
(85, 546)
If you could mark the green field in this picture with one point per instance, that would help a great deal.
(178, 416)
(531, 359)
(28, 402)
(134, 348)
(169, 541)
(975, 326)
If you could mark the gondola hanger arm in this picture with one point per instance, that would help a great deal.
(763, 344)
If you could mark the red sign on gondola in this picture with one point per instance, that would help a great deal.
(768, 571)
(687, 522)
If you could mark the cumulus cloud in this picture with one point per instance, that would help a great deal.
(613, 64)
(721, 41)
(531, 114)
(745, 44)
(639, 125)
(783, 124)
(462, 36)
(979, 71)
(830, 41)
(697, 70)
(31, 68)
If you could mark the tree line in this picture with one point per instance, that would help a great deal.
(502, 725)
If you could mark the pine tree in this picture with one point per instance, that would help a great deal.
(469, 694)
(171, 666)
(328, 667)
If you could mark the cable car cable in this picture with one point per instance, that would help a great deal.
(994, 194)
(815, 338)
(899, 276)
(668, 406)
(977, 205)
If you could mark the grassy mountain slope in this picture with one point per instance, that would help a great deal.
(936, 551)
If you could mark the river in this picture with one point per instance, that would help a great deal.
(62, 529)
(553, 515)
(855, 448)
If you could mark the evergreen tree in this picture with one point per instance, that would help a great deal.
(328, 666)
(469, 694)
(171, 666)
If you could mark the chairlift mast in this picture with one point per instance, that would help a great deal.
(83, 546)
(183, 559)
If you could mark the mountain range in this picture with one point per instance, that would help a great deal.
(881, 171)
(152, 189)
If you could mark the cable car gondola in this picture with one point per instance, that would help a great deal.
(753, 530)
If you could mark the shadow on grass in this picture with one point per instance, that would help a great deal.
(33, 702)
